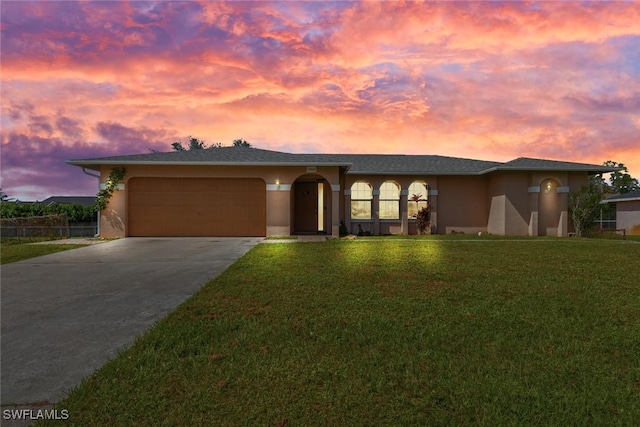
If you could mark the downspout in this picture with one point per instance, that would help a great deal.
(97, 213)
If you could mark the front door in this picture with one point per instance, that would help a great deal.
(306, 207)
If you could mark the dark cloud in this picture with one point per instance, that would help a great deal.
(40, 124)
(38, 163)
(17, 109)
(131, 140)
(70, 128)
(606, 103)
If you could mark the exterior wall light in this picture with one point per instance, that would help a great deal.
(278, 182)
(547, 187)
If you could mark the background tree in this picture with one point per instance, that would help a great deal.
(194, 143)
(621, 181)
(240, 143)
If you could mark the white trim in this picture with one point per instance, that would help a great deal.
(347, 192)
(630, 199)
(335, 187)
(433, 192)
(563, 190)
(103, 186)
(278, 187)
(534, 189)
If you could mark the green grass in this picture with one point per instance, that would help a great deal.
(391, 332)
(281, 238)
(18, 250)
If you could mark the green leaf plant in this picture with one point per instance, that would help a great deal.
(115, 177)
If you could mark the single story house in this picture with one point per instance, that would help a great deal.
(243, 191)
(627, 211)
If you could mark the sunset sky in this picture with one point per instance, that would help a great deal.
(484, 80)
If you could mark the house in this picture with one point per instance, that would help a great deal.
(627, 211)
(241, 191)
(81, 200)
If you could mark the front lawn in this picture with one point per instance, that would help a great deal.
(18, 250)
(391, 332)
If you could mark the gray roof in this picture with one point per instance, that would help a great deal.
(214, 156)
(82, 200)
(398, 164)
(626, 197)
(358, 164)
(526, 163)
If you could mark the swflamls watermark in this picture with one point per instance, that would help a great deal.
(35, 414)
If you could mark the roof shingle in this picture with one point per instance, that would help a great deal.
(381, 164)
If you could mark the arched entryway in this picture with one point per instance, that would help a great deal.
(549, 208)
(311, 205)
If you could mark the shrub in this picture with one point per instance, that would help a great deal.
(423, 220)
(75, 212)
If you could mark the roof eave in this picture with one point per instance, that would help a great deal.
(96, 166)
(411, 173)
(589, 170)
(631, 199)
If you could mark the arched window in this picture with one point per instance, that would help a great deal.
(361, 197)
(389, 200)
(418, 198)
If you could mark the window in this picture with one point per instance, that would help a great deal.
(389, 200)
(608, 215)
(361, 197)
(418, 197)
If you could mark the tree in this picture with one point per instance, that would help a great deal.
(193, 144)
(584, 206)
(240, 143)
(621, 181)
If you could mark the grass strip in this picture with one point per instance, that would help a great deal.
(12, 252)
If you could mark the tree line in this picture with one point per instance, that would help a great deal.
(193, 143)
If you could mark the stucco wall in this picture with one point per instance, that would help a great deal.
(501, 203)
(628, 216)
(509, 211)
(113, 220)
(463, 204)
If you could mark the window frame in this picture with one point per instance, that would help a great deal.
(424, 199)
(384, 197)
(357, 192)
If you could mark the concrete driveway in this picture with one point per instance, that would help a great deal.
(65, 314)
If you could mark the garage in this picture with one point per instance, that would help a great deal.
(192, 207)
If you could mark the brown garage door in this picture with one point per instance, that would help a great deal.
(197, 207)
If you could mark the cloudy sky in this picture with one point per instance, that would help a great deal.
(483, 80)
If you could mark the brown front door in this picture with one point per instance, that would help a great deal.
(306, 207)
